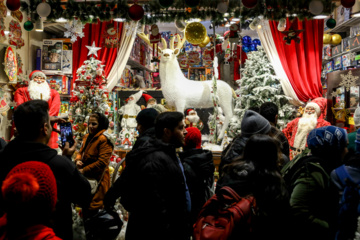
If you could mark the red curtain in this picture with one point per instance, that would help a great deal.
(93, 33)
(302, 61)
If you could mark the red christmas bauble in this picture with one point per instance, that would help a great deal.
(92, 87)
(13, 5)
(81, 91)
(249, 3)
(106, 112)
(71, 121)
(76, 127)
(85, 124)
(347, 3)
(136, 12)
(118, 160)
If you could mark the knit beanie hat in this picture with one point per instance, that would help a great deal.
(328, 138)
(357, 117)
(254, 123)
(193, 138)
(30, 188)
(146, 117)
(36, 73)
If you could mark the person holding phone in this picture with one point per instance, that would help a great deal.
(93, 159)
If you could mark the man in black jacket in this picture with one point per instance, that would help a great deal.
(152, 186)
(145, 126)
(34, 130)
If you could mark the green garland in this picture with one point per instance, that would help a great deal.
(154, 12)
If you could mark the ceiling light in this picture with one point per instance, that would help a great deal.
(235, 19)
(232, 22)
(39, 26)
(6, 32)
(320, 17)
(356, 14)
(227, 25)
(119, 19)
(61, 20)
(190, 20)
(226, 14)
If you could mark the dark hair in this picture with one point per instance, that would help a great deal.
(263, 151)
(30, 117)
(146, 117)
(102, 119)
(269, 110)
(167, 120)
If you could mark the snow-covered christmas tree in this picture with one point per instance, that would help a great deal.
(259, 84)
(89, 96)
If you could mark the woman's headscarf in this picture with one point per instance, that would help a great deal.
(103, 122)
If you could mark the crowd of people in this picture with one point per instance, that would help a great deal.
(291, 174)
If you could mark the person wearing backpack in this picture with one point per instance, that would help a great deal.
(255, 175)
(347, 180)
(199, 170)
(313, 196)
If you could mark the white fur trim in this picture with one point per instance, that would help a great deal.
(315, 106)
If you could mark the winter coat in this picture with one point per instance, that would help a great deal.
(199, 172)
(152, 189)
(145, 136)
(72, 187)
(313, 198)
(35, 232)
(234, 149)
(96, 159)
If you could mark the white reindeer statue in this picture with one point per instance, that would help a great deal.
(183, 93)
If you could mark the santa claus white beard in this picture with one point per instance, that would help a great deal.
(305, 125)
(150, 105)
(39, 91)
(193, 118)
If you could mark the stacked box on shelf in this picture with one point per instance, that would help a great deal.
(337, 63)
(327, 51)
(60, 83)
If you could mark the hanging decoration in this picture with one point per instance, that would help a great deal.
(222, 7)
(179, 25)
(74, 29)
(348, 80)
(331, 22)
(166, 3)
(136, 12)
(195, 33)
(15, 34)
(347, 3)
(10, 65)
(249, 3)
(340, 112)
(326, 38)
(4, 107)
(2, 30)
(316, 7)
(282, 25)
(155, 38)
(28, 25)
(13, 5)
(205, 42)
(43, 9)
(17, 15)
(336, 93)
(111, 37)
(336, 39)
(292, 35)
(253, 25)
(234, 33)
(3, 9)
(192, 3)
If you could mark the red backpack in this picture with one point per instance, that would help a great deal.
(225, 215)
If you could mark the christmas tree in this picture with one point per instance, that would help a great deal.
(259, 84)
(89, 97)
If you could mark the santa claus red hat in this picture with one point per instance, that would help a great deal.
(30, 187)
(193, 138)
(319, 104)
(189, 110)
(226, 33)
(147, 97)
(36, 73)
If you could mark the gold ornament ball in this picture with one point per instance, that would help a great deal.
(205, 42)
(326, 38)
(336, 39)
(111, 170)
(195, 33)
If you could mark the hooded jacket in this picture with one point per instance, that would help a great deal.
(152, 190)
(72, 186)
(199, 172)
(234, 149)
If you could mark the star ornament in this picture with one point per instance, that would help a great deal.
(93, 49)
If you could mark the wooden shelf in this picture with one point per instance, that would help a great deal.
(343, 27)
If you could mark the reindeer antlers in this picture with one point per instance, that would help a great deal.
(179, 41)
(180, 44)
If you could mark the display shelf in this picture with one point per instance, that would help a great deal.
(337, 55)
(136, 65)
(65, 95)
(343, 27)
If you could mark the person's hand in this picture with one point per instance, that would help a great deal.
(53, 120)
(81, 171)
(67, 150)
(79, 164)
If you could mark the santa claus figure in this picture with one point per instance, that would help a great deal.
(152, 103)
(298, 129)
(39, 89)
(193, 120)
(130, 110)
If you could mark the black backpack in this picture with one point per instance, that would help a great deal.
(349, 208)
